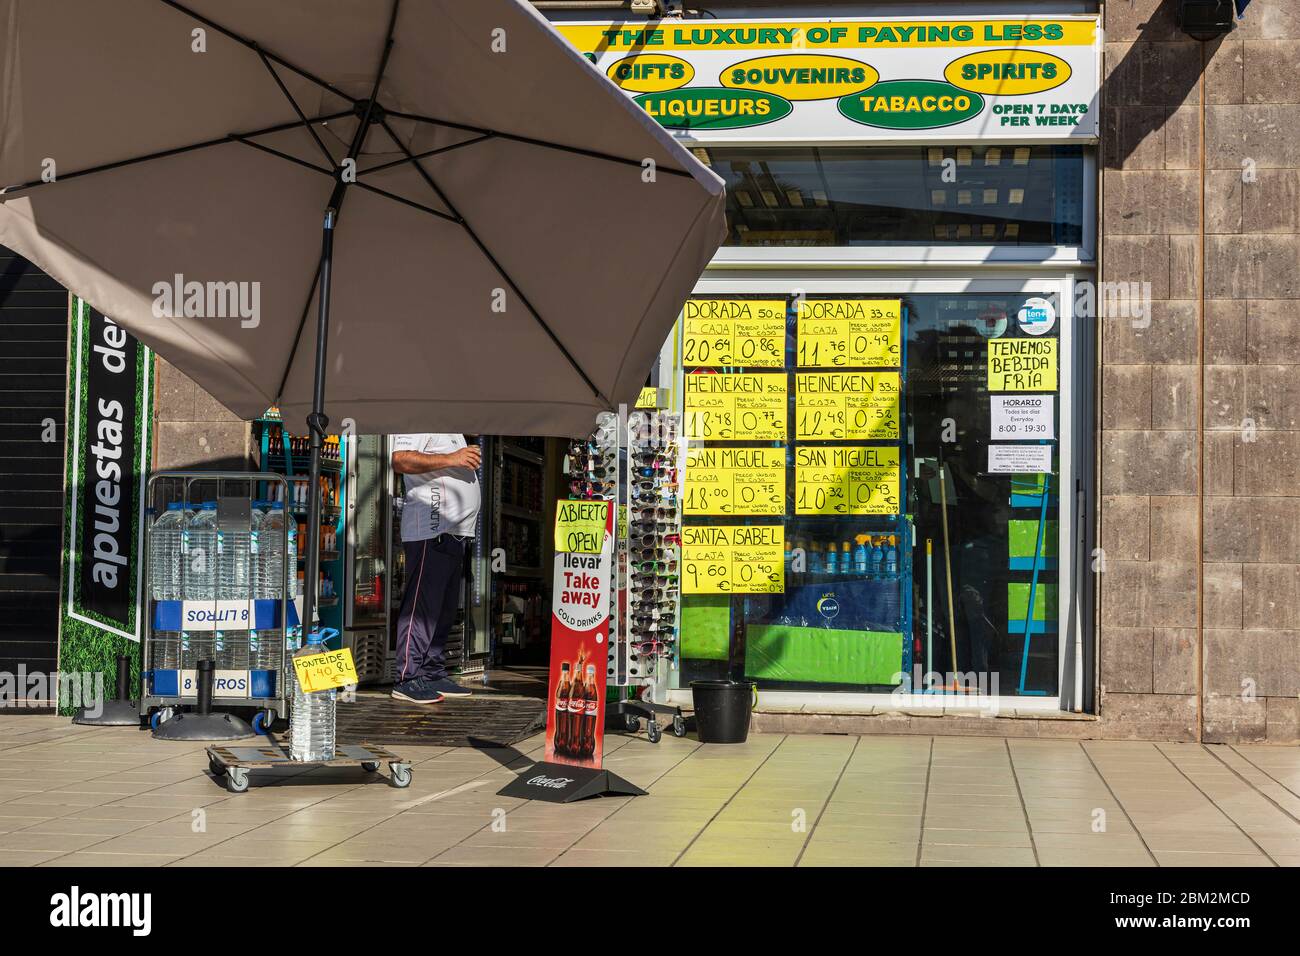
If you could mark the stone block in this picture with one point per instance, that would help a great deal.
(1175, 390)
(1234, 720)
(1133, 137)
(1150, 201)
(1182, 142)
(1222, 604)
(1184, 267)
(1272, 332)
(1126, 396)
(1168, 339)
(1223, 199)
(1255, 530)
(1173, 660)
(1269, 464)
(1282, 721)
(1269, 71)
(1124, 655)
(1219, 462)
(1225, 332)
(220, 446)
(1125, 527)
(1224, 72)
(1148, 462)
(1173, 527)
(1148, 716)
(1264, 133)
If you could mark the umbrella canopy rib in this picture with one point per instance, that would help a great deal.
(266, 62)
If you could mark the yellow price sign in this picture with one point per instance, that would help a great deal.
(852, 406)
(648, 398)
(733, 559)
(325, 671)
(735, 481)
(744, 407)
(847, 481)
(849, 333)
(725, 332)
(580, 526)
(1022, 365)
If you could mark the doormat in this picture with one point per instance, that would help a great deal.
(461, 722)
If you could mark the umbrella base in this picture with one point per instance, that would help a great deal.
(114, 713)
(203, 727)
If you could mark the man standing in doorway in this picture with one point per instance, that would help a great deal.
(438, 518)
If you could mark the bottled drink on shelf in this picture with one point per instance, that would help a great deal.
(591, 707)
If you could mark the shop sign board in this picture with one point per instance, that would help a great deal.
(839, 80)
(729, 332)
(852, 406)
(736, 407)
(1022, 365)
(735, 481)
(1022, 416)
(850, 333)
(575, 722)
(107, 456)
(733, 559)
(839, 480)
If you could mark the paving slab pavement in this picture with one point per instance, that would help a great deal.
(78, 796)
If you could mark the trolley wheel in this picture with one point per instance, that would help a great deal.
(401, 775)
(217, 767)
(236, 779)
(679, 726)
(631, 723)
(159, 716)
(263, 720)
(652, 732)
(370, 766)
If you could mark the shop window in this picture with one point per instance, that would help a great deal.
(902, 195)
(902, 450)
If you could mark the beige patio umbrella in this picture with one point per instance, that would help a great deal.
(417, 214)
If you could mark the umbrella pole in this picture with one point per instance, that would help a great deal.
(317, 423)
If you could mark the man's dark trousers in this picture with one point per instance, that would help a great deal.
(434, 567)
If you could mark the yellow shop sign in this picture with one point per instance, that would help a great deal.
(650, 72)
(1007, 72)
(801, 76)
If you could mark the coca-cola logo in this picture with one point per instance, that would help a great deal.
(554, 783)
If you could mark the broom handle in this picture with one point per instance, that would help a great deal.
(947, 568)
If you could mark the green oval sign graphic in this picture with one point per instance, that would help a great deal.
(714, 107)
(911, 104)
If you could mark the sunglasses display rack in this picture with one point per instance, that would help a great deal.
(645, 652)
(635, 460)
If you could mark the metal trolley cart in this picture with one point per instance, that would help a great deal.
(221, 571)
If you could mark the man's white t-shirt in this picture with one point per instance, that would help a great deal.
(443, 501)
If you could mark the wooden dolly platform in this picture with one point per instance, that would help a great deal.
(234, 763)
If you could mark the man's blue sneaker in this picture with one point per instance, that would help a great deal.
(416, 692)
(445, 687)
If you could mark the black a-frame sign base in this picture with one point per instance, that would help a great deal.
(561, 783)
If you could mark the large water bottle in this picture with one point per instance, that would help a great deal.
(270, 568)
(165, 581)
(234, 583)
(199, 571)
(311, 723)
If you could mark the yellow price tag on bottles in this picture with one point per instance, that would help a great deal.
(327, 670)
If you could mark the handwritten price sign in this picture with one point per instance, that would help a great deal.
(327, 670)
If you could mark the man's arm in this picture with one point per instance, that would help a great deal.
(417, 463)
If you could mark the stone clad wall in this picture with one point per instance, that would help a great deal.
(1150, 381)
(193, 429)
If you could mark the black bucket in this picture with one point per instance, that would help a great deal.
(722, 710)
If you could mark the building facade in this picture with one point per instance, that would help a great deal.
(1166, 242)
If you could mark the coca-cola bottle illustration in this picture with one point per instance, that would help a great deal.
(577, 707)
(590, 707)
(562, 693)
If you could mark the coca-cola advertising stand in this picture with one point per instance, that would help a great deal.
(575, 722)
